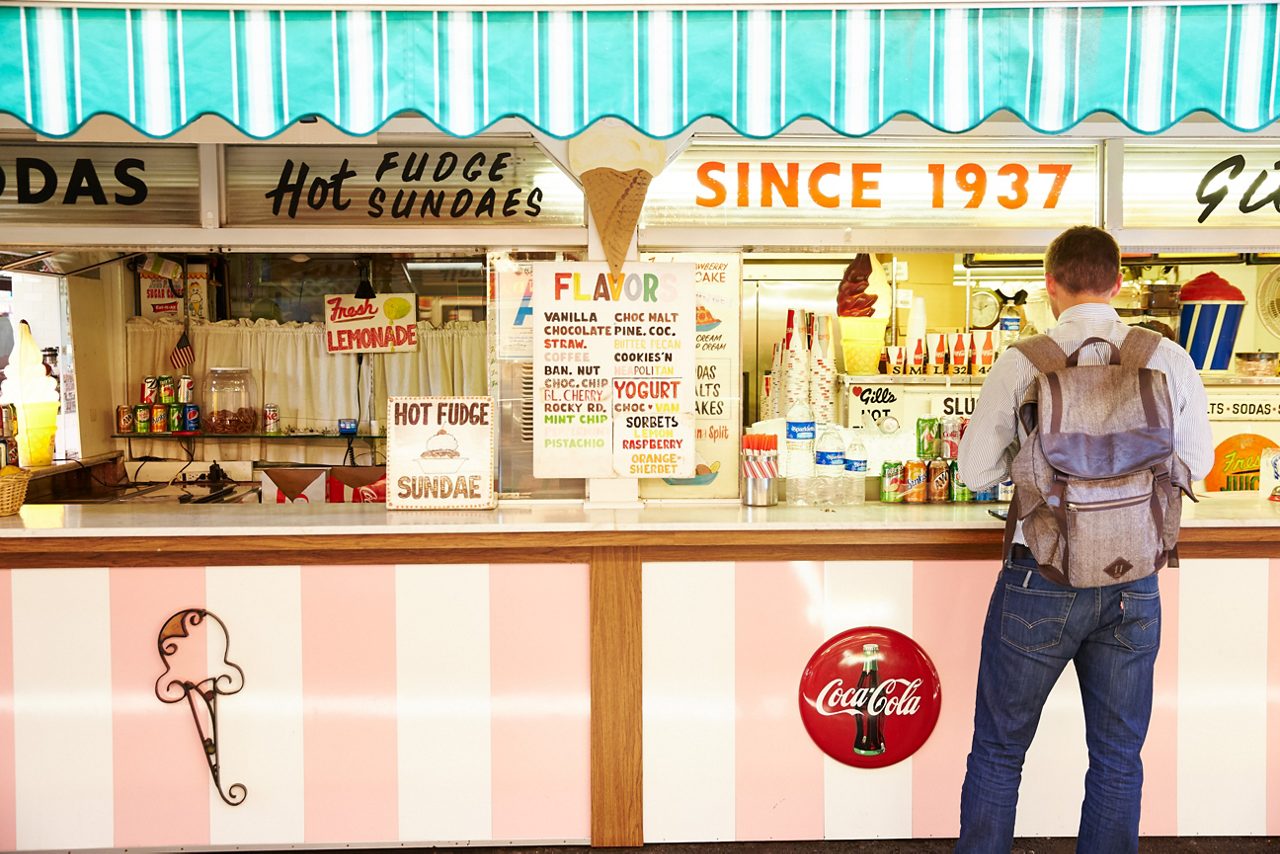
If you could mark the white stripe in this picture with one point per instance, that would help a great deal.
(560, 71)
(337, 73)
(1128, 54)
(1031, 62)
(982, 88)
(435, 60)
(860, 804)
(128, 52)
(182, 74)
(75, 45)
(26, 61)
(661, 100)
(831, 115)
(782, 70)
(235, 73)
(260, 84)
(857, 71)
(684, 66)
(1253, 31)
(1173, 84)
(880, 74)
(760, 95)
(1151, 86)
(635, 62)
(955, 72)
(537, 90)
(484, 59)
(1275, 63)
(1053, 80)
(1226, 65)
(443, 702)
(1053, 775)
(689, 702)
(62, 708)
(586, 70)
(260, 728)
(360, 91)
(53, 72)
(386, 108)
(157, 108)
(1075, 79)
(284, 70)
(933, 60)
(1222, 697)
(462, 81)
(733, 72)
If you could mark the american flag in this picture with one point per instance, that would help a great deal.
(183, 354)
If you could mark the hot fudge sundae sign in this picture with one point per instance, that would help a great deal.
(440, 453)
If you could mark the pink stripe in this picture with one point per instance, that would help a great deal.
(1273, 702)
(540, 672)
(949, 608)
(1160, 753)
(778, 774)
(8, 746)
(349, 704)
(161, 781)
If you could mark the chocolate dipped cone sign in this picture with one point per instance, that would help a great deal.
(615, 164)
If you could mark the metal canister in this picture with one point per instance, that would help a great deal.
(167, 388)
(190, 418)
(271, 419)
(175, 418)
(159, 418)
(142, 418)
(939, 486)
(915, 474)
(8, 420)
(928, 439)
(124, 419)
(959, 492)
(186, 389)
(891, 483)
(952, 429)
(150, 390)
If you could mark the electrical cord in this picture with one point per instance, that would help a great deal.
(125, 484)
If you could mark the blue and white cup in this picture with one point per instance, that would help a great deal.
(1207, 330)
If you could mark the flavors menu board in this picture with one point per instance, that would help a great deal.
(614, 370)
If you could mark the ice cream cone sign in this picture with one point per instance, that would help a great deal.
(615, 164)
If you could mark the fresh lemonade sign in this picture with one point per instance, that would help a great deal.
(384, 324)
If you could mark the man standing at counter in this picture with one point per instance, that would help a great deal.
(1086, 626)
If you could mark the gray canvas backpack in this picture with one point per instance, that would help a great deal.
(1097, 485)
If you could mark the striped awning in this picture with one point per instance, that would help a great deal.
(757, 69)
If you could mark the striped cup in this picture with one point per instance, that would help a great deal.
(1207, 330)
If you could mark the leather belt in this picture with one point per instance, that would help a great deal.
(1020, 552)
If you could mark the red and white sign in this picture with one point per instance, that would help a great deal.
(870, 697)
(384, 324)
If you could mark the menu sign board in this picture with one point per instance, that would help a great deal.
(862, 184)
(440, 453)
(453, 184)
(384, 324)
(54, 184)
(1236, 185)
(614, 370)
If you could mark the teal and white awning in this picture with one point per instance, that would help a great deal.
(759, 69)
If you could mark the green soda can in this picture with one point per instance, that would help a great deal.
(928, 439)
(959, 492)
(175, 418)
(891, 483)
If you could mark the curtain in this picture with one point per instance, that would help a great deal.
(312, 388)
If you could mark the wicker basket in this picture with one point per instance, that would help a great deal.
(13, 489)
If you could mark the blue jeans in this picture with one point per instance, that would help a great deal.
(1033, 628)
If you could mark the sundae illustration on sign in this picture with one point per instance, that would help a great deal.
(870, 697)
(442, 455)
(186, 676)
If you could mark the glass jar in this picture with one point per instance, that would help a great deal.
(230, 401)
(1257, 364)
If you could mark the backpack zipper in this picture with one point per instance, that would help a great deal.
(1107, 505)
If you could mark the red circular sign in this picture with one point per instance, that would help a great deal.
(870, 697)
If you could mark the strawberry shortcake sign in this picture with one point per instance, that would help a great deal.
(440, 453)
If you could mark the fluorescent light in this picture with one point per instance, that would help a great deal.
(444, 265)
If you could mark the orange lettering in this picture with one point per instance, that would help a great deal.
(770, 180)
(744, 178)
(815, 192)
(718, 194)
(862, 184)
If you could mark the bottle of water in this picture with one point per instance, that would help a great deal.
(855, 470)
(800, 432)
(829, 466)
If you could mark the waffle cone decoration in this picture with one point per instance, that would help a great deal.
(615, 198)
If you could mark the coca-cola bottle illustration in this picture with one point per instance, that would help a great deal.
(870, 736)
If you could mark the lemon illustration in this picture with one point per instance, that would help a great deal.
(715, 466)
(396, 308)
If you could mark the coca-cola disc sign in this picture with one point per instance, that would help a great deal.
(870, 697)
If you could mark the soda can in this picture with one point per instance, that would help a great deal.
(159, 418)
(952, 430)
(167, 389)
(175, 418)
(124, 419)
(939, 487)
(150, 390)
(1004, 492)
(915, 476)
(928, 439)
(186, 389)
(986, 496)
(959, 492)
(142, 418)
(11, 451)
(891, 483)
(190, 418)
(271, 419)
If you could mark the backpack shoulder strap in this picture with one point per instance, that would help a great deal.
(1043, 352)
(1139, 346)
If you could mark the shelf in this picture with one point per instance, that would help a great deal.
(242, 437)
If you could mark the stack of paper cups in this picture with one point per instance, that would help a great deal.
(822, 370)
(795, 364)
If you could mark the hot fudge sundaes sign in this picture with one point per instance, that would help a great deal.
(440, 453)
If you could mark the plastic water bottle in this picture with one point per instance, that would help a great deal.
(829, 466)
(800, 435)
(855, 470)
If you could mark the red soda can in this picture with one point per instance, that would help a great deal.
(159, 418)
(939, 488)
(150, 390)
(186, 389)
(952, 430)
(915, 476)
(124, 419)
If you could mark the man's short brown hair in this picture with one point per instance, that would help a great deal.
(1083, 259)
